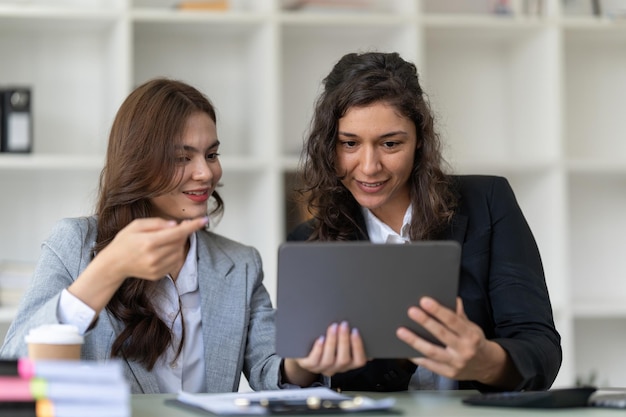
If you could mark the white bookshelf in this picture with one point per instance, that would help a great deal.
(538, 99)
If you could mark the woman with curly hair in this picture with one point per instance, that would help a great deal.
(373, 170)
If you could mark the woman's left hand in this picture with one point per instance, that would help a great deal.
(466, 354)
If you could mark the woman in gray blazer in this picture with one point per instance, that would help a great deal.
(143, 279)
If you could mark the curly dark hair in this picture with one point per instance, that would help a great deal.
(361, 80)
(140, 164)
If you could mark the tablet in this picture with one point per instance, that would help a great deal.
(370, 285)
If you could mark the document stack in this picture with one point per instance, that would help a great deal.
(60, 388)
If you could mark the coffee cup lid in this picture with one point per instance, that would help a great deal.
(56, 334)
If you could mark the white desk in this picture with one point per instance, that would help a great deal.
(419, 403)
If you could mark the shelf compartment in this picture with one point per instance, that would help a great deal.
(38, 199)
(487, 8)
(370, 7)
(603, 366)
(503, 72)
(227, 61)
(170, 6)
(597, 241)
(595, 87)
(73, 68)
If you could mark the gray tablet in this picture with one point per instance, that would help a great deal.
(369, 285)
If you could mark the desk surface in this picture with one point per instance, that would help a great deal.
(417, 403)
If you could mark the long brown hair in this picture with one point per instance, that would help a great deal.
(360, 80)
(140, 165)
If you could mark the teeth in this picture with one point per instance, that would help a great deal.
(194, 192)
(376, 184)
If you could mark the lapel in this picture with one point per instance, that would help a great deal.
(223, 315)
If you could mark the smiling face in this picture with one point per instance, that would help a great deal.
(198, 169)
(375, 152)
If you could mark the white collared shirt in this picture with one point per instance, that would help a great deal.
(380, 232)
(187, 372)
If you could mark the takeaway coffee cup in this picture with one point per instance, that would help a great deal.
(54, 341)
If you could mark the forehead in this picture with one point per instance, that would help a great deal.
(199, 127)
(374, 117)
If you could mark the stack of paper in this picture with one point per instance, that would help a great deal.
(288, 401)
(63, 389)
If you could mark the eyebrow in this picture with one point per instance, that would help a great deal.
(383, 136)
(193, 149)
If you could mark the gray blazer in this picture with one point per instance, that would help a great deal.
(237, 314)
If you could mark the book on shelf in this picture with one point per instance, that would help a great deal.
(332, 5)
(208, 5)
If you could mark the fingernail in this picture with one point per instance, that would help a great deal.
(320, 340)
(205, 220)
(344, 324)
(333, 327)
(355, 331)
(427, 302)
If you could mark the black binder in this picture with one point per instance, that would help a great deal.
(16, 125)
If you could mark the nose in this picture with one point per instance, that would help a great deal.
(201, 171)
(370, 161)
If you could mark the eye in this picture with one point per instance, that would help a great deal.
(181, 159)
(348, 143)
(390, 144)
(212, 156)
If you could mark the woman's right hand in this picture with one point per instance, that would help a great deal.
(151, 248)
(147, 248)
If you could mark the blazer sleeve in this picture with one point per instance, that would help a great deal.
(501, 262)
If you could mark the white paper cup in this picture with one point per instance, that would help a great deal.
(54, 341)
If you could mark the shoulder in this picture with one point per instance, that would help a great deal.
(480, 189)
(73, 231)
(486, 196)
(482, 184)
(301, 231)
(71, 242)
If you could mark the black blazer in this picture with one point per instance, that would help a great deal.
(502, 286)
